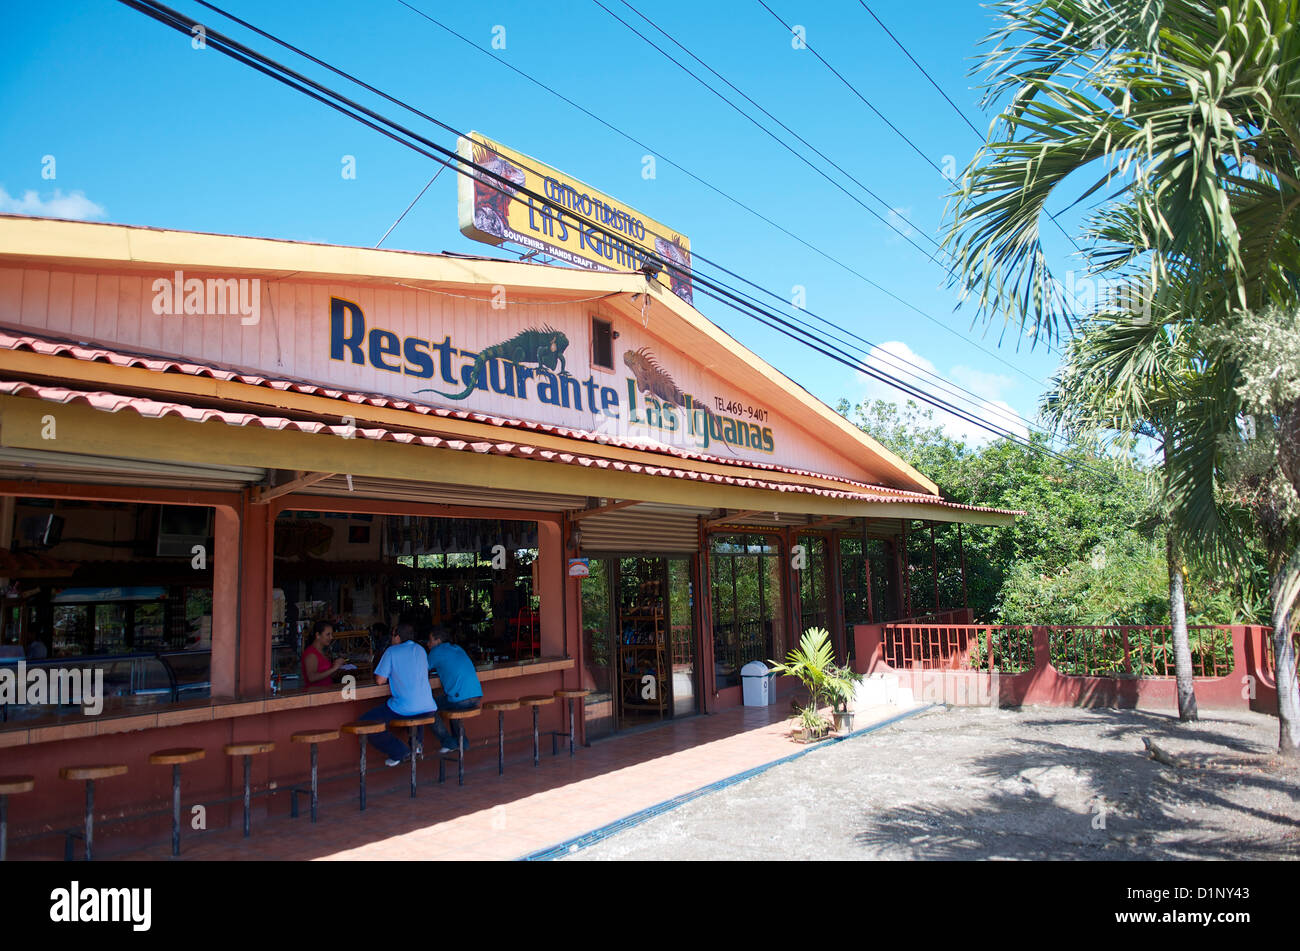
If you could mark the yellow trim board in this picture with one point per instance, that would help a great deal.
(24, 424)
(22, 364)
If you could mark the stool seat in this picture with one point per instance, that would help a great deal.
(461, 714)
(248, 747)
(566, 693)
(501, 705)
(537, 700)
(92, 772)
(363, 727)
(176, 756)
(314, 736)
(10, 785)
(421, 720)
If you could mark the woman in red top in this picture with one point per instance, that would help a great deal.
(316, 667)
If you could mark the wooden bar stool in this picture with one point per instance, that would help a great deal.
(314, 737)
(174, 758)
(248, 749)
(501, 706)
(535, 701)
(414, 723)
(454, 715)
(362, 729)
(89, 774)
(10, 786)
(570, 695)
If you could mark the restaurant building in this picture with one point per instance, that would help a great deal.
(209, 442)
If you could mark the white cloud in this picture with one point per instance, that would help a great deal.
(899, 360)
(900, 220)
(74, 205)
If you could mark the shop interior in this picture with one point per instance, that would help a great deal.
(122, 586)
(477, 578)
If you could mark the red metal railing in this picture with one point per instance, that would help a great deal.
(1008, 648)
(1137, 650)
(1270, 654)
(1075, 651)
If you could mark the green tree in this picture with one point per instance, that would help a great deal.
(1183, 118)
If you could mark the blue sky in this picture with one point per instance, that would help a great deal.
(146, 130)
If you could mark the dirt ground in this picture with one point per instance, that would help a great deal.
(980, 783)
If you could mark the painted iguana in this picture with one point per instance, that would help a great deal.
(543, 347)
(653, 379)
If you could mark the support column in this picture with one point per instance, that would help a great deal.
(934, 568)
(866, 570)
(961, 550)
(790, 584)
(256, 533)
(573, 644)
(904, 576)
(835, 594)
(552, 578)
(704, 621)
(226, 560)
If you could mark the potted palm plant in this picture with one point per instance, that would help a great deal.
(841, 687)
(811, 662)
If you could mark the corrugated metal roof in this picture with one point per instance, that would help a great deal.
(157, 409)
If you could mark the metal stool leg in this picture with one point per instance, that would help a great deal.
(413, 762)
(536, 755)
(460, 762)
(90, 818)
(501, 742)
(363, 773)
(176, 809)
(570, 726)
(248, 795)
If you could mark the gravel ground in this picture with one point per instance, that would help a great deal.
(980, 783)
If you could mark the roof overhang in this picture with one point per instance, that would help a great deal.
(95, 246)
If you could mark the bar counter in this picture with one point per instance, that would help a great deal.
(122, 716)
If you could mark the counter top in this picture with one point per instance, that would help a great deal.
(126, 718)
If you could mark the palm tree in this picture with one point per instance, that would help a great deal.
(1183, 119)
(1107, 390)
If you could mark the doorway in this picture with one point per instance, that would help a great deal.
(639, 639)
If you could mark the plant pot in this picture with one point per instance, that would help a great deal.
(843, 721)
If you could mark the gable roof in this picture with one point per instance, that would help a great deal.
(70, 244)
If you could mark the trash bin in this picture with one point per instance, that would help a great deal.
(757, 684)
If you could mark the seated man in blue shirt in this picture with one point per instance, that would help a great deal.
(460, 687)
(405, 668)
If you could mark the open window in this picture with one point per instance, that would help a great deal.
(602, 344)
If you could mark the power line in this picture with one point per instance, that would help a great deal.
(897, 131)
(411, 205)
(924, 73)
(962, 115)
(423, 115)
(343, 105)
(767, 131)
(709, 185)
(884, 355)
(261, 62)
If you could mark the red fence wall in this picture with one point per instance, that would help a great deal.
(946, 662)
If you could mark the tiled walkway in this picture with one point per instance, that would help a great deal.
(494, 817)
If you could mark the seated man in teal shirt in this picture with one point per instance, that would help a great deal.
(460, 687)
